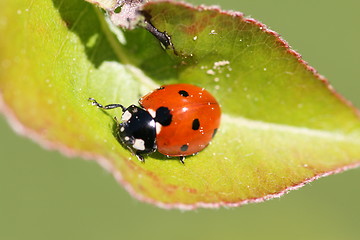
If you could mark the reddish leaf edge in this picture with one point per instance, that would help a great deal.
(22, 130)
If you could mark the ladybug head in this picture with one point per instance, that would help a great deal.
(137, 130)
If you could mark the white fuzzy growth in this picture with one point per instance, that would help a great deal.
(210, 72)
(221, 63)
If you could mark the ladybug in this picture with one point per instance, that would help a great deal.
(177, 120)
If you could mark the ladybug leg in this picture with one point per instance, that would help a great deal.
(182, 158)
(140, 158)
(109, 106)
(117, 121)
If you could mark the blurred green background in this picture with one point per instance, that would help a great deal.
(44, 195)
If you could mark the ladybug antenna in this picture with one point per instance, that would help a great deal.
(106, 107)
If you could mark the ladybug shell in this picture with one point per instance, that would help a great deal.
(191, 120)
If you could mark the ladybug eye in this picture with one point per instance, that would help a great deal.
(183, 93)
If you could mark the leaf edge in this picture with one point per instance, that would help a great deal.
(22, 130)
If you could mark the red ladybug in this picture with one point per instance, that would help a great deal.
(176, 120)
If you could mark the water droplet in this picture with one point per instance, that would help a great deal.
(213, 32)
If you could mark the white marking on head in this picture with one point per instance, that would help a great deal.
(152, 112)
(158, 128)
(139, 144)
(126, 138)
(122, 129)
(126, 116)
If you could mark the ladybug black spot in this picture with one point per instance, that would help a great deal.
(195, 124)
(163, 116)
(184, 147)
(183, 93)
(215, 131)
(161, 88)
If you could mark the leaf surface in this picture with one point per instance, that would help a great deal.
(282, 124)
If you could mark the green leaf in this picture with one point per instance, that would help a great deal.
(282, 124)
